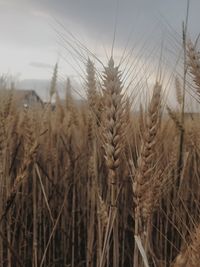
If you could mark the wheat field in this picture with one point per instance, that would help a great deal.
(96, 184)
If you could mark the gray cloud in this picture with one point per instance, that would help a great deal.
(142, 15)
(40, 65)
(27, 24)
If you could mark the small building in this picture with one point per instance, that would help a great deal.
(23, 98)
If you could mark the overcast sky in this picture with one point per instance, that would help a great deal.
(29, 45)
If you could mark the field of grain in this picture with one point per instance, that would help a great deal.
(93, 183)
